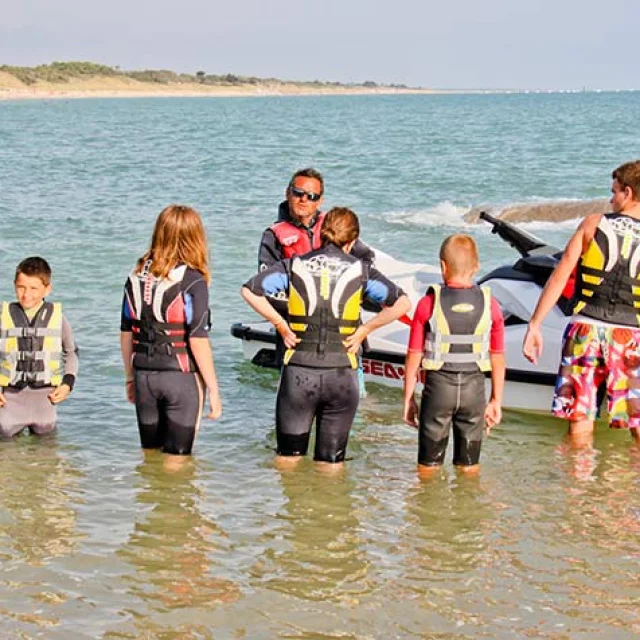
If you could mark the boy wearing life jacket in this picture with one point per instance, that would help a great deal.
(601, 347)
(38, 355)
(457, 333)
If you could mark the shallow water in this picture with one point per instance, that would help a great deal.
(97, 541)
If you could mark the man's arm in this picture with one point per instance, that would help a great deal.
(270, 250)
(532, 346)
(364, 252)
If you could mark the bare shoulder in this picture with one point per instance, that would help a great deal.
(590, 223)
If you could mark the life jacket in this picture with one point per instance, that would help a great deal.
(31, 351)
(608, 286)
(296, 239)
(158, 317)
(459, 329)
(325, 292)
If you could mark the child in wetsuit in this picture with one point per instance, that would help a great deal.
(457, 333)
(38, 355)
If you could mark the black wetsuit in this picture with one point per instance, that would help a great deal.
(317, 382)
(168, 390)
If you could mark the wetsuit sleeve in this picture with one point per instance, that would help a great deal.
(195, 293)
(496, 343)
(270, 250)
(125, 313)
(271, 281)
(379, 289)
(69, 354)
(364, 252)
(419, 323)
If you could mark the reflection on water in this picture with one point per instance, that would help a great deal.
(317, 552)
(170, 547)
(37, 524)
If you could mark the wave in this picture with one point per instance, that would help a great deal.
(444, 214)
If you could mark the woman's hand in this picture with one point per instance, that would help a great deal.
(130, 390)
(289, 338)
(215, 406)
(355, 340)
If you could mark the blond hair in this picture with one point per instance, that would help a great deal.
(460, 253)
(340, 227)
(178, 238)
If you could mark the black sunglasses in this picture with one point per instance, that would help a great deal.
(300, 193)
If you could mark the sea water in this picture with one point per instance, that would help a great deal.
(98, 541)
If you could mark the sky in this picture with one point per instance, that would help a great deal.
(449, 44)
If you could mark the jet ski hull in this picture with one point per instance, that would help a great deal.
(528, 388)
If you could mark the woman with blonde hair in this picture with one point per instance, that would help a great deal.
(165, 334)
(323, 334)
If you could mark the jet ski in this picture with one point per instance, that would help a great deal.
(516, 287)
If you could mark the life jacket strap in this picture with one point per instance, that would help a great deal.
(458, 338)
(156, 348)
(29, 332)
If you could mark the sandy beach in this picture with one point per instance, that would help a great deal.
(11, 88)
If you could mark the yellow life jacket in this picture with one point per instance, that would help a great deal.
(325, 292)
(31, 351)
(608, 283)
(459, 329)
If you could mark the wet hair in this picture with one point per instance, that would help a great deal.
(178, 238)
(340, 226)
(309, 172)
(628, 175)
(35, 267)
(460, 253)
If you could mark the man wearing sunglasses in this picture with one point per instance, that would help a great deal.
(297, 230)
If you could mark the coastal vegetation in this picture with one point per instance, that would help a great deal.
(71, 72)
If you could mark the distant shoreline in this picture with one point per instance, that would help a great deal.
(91, 80)
(72, 80)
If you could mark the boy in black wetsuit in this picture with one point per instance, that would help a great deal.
(458, 334)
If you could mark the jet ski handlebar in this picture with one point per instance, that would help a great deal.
(524, 243)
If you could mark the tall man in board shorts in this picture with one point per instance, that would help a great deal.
(601, 345)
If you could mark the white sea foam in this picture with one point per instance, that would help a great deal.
(444, 214)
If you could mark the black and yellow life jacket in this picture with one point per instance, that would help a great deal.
(459, 329)
(608, 286)
(31, 350)
(325, 292)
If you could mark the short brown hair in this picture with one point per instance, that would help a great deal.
(628, 175)
(35, 267)
(460, 253)
(340, 227)
(309, 172)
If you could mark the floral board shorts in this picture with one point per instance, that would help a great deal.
(596, 360)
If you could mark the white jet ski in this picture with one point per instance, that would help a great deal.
(516, 287)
